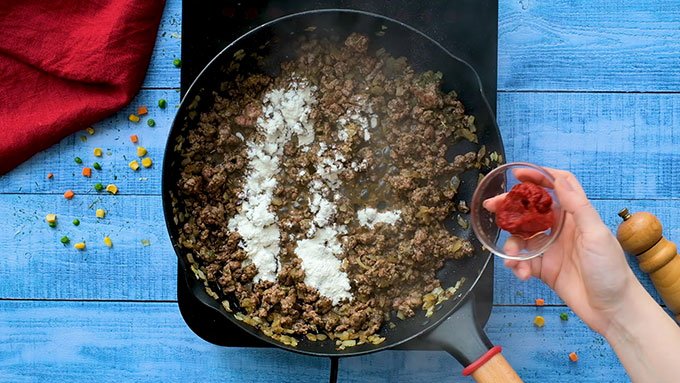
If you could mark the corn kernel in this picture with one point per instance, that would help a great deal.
(80, 245)
(539, 321)
(133, 118)
(50, 218)
(134, 165)
(111, 188)
(141, 151)
(146, 162)
(98, 152)
(100, 213)
(107, 241)
(90, 130)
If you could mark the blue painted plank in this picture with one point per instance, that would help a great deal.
(161, 72)
(510, 291)
(35, 264)
(123, 342)
(557, 45)
(619, 145)
(113, 136)
(90, 341)
(538, 355)
(617, 132)
(130, 271)
(589, 45)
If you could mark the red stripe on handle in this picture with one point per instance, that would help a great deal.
(482, 359)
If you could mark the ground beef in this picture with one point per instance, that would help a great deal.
(403, 166)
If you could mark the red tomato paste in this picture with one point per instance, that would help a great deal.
(526, 210)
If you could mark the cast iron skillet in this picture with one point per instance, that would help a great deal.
(452, 327)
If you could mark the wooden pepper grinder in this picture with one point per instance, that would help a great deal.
(641, 234)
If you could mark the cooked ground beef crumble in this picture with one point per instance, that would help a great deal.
(391, 267)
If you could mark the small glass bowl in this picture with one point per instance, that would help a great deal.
(499, 181)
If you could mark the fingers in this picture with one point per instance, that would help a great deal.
(533, 176)
(521, 269)
(574, 201)
(492, 204)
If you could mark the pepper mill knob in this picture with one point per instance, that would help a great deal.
(641, 234)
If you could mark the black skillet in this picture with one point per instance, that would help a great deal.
(453, 326)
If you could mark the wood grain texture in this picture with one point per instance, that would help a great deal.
(618, 132)
(36, 265)
(622, 146)
(538, 354)
(161, 72)
(113, 136)
(583, 45)
(509, 291)
(579, 45)
(130, 271)
(618, 145)
(91, 341)
(123, 342)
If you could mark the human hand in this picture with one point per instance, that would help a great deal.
(585, 266)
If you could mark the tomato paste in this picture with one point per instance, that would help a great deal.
(526, 210)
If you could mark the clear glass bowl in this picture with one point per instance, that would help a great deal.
(499, 181)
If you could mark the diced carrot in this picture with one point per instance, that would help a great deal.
(142, 110)
(50, 176)
(69, 194)
(87, 172)
(540, 302)
(134, 139)
(573, 357)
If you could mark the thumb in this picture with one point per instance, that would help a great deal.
(574, 201)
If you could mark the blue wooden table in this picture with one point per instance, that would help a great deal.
(590, 86)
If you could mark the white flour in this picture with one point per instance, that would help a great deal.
(361, 116)
(285, 112)
(321, 265)
(370, 217)
(320, 250)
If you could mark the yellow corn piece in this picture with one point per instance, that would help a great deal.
(100, 213)
(539, 321)
(146, 162)
(134, 165)
(141, 151)
(80, 245)
(133, 118)
(98, 152)
(51, 218)
(107, 241)
(111, 188)
(90, 130)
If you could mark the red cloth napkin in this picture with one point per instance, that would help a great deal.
(66, 64)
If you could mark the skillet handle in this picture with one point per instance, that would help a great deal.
(492, 367)
(463, 337)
